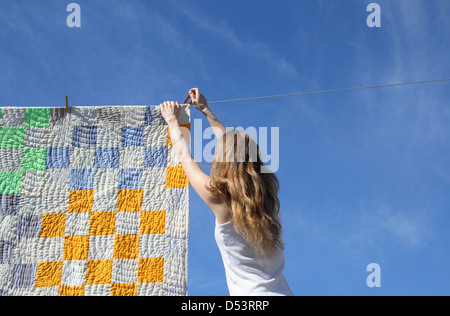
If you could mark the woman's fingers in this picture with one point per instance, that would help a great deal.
(194, 94)
(170, 104)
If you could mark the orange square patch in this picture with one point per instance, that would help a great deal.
(176, 178)
(151, 270)
(124, 289)
(126, 247)
(53, 225)
(49, 274)
(153, 222)
(99, 271)
(76, 248)
(71, 290)
(130, 200)
(81, 201)
(102, 223)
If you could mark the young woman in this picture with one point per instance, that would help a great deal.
(243, 199)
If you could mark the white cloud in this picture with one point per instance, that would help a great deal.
(371, 229)
(415, 46)
(224, 32)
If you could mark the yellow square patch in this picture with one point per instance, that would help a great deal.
(126, 247)
(102, 223)
(81, 201)
(99, 271)
(176, 178)
(130, 200)
(76, 248)
(124, 289)
(71, 290)
(49, 274)
(53, 225)
(151, 270)
(153, 222)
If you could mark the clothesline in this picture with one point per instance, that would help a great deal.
(292, 94)
(329, 91)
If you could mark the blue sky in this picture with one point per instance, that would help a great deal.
(364, 175)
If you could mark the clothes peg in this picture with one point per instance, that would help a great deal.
(187, 99)
(67, 103)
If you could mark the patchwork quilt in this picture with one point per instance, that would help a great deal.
(93, 202)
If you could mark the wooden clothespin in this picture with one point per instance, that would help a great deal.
(187, 99)
(67, 103)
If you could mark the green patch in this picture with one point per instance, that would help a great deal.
(34, 159)
(37, 117)
(12, 137)
(10, 182)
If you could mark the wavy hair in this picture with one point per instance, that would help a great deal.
(238, 177)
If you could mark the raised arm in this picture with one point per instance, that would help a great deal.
(199, 101)
(198, 179)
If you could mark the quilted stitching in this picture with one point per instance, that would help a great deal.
(92, 203)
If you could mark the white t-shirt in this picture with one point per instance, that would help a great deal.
(246, 274)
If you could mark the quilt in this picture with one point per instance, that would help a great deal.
(93, 202)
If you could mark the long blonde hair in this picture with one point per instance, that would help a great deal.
(250, 194)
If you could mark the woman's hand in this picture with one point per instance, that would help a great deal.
(198, 100)
(201, 104)
(170, 111)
